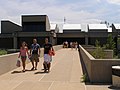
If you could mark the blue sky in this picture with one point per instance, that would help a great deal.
(75, 11)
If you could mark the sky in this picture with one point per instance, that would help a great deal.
(74, 11)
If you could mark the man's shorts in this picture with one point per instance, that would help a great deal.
(35, 57)
(47, 58)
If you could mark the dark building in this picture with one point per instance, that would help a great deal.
(33, 26)
(35, 23)
(8, 27)
(97, 32)
(116, 31)
(71, 33)
(8, 30)
(39, 27)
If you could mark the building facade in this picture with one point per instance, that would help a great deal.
(39, 27)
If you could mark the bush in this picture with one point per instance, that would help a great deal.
(3, 52)
(110, 43)
(97, 43)
(84, 78)
(98, 53)
(118, 41)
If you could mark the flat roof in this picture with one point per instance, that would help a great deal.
(52, 26)
(117, 26)
(33, 15)
(71, 26)
(97, 26)
(109, 29)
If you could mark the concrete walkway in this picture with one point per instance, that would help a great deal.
(66, 73)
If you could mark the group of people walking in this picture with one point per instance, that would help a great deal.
(65, 44)
(34, 55)
(72, 45)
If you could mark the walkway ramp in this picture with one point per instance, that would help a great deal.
(65, 74)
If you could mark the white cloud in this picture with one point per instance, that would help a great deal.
(98, 0)
(114, 1)
(14, 8)
(79, 12)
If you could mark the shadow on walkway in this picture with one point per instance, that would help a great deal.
(14, 72)
(114, 88)
(40, 72)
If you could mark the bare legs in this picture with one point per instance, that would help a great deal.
(36, 63)
(46, 66)
(23, 64)
(34, 66)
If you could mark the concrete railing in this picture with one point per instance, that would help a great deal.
(8, 62)
(98, 70)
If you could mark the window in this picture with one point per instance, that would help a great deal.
(34, 26)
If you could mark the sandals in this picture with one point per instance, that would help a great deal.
(32, 69)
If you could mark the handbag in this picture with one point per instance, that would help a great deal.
(18, 63)
(51, 52)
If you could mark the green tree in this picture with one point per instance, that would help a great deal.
(97, 43)
(118, 41)
(110, 43)
(98, 53)
(118, 47)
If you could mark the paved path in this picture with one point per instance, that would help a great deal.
(65, 74)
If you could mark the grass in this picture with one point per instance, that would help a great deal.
(3, 52)
(84, 78)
